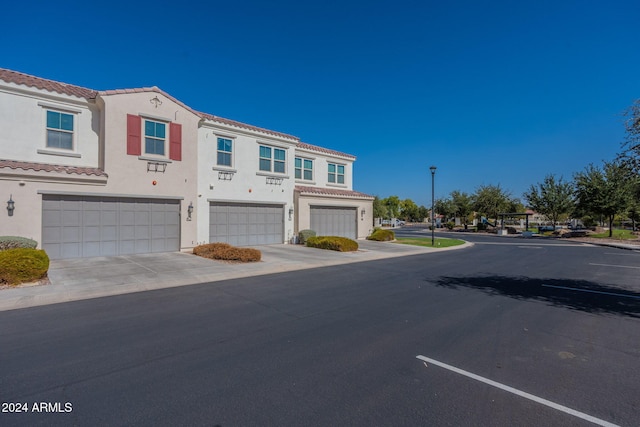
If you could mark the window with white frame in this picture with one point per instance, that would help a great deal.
(304, 169)
(272, 159)
(154, 137)
(336, 173)
(60, 130)
(225, 151)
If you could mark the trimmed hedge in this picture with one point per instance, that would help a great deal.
(382, 235)
(23, 265)
(334, 243)
(14, 242)
(226, 252)
(303, 235)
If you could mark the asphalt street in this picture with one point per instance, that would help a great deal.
(507, 332)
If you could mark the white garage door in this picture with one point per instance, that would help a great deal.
(334, 221)
(87, 226)
(244, 224)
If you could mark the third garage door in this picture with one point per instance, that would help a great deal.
(334, 221)
(244, 224)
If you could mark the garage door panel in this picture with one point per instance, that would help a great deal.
(334, 221)
(82, 226)
(92, 234)
(91, 217)
(244, 224)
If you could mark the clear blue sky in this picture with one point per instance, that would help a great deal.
(500, 92)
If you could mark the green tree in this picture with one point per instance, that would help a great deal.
(552, 198)
(445, 207)
(423, 213)
(631, 144)
(605, 191)
(463, 203)
(379, 209)
(490, 200)
(408, 210)
(393, 206)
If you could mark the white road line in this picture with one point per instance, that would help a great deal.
(617, 253)
(614, 265)
(564, 245)
(520, 393)
(593, 292)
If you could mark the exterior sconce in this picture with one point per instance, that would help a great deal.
(290, 213)
(11, 205)
(189, 211)
(362, 212)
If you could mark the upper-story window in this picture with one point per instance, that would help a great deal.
(272, 159)
(59, 130)
(225, 150)
(304, 169)
(336, 173)
(154, 137)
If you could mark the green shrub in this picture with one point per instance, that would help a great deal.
(450, 225)
(303, 235)
(334, 243)
(23, 265)
(14, 242)
(382, 235)
(226, 252)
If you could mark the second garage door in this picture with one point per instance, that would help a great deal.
(334, 221)
(244, 224)
(88, 226)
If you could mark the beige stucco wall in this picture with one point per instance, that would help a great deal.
(128, 174)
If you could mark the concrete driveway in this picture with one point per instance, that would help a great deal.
(83, 278)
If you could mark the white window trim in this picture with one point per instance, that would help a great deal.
(62, 153)
(73, 151)
(302, 169)
(337, 184)
(273, 159)
(233, 157)
(153, 156)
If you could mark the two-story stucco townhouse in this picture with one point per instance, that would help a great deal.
(100, 173)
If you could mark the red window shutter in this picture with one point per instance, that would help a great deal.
(175, 141)
(134, 135)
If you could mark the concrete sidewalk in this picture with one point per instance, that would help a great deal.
(84, 278)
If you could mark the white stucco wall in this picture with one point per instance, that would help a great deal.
(247, 184)
(23, 123)
(321, 169)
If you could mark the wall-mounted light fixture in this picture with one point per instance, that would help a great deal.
(189, 211)
(290, 213)
(11, 205)
(362, 212)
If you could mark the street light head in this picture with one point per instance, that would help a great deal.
(433, 170)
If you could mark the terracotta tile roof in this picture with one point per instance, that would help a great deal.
(10, 76)
(306, 146)
(332, 192)
(234, 123)
(76, 170)
(67, 89)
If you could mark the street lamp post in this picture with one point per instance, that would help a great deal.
(433, 224)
